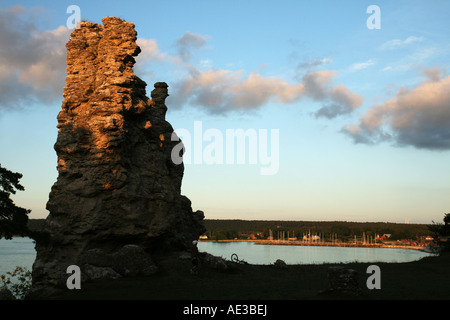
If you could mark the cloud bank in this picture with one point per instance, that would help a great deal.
(219, 91)
(32, 69)
(32, 62)
(418, 117)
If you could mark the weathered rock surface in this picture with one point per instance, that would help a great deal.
(216, 263)
(117, 202)
(342, 281)
(280, 264)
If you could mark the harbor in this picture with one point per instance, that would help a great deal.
(319, 244)
(334, 244)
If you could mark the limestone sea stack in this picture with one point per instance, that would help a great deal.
(116, 205)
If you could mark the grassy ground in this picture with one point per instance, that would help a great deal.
(428, 278)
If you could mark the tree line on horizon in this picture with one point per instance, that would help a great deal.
(231, 229)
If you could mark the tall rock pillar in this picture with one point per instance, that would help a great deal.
(116, 205)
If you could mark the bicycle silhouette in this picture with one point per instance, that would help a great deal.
(235, 258)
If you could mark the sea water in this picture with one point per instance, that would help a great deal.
(16, 252)
(290, 254)
(21, 252)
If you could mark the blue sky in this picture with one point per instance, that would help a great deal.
(363, 114)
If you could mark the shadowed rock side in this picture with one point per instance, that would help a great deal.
(116, 205)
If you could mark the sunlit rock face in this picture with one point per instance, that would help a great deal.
(117, 200)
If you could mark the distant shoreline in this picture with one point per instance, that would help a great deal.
(318, 244)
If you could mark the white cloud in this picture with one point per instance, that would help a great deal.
(149, 51)
(416, 59)
(397, 43)
(361, 65)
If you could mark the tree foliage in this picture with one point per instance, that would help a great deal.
(217, 229)
(441, 230)
(13, 219)
(18, 282)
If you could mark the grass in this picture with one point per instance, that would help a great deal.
(426, 279)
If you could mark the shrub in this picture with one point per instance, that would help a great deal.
(17, 281)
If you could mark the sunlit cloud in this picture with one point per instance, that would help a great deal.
(32, 61)
(219, 91)
(418, 117)
(32, 65)
(222, 91)
(150, 51)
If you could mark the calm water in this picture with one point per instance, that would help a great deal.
(16, 252)
(267, 254)
(21, 252)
